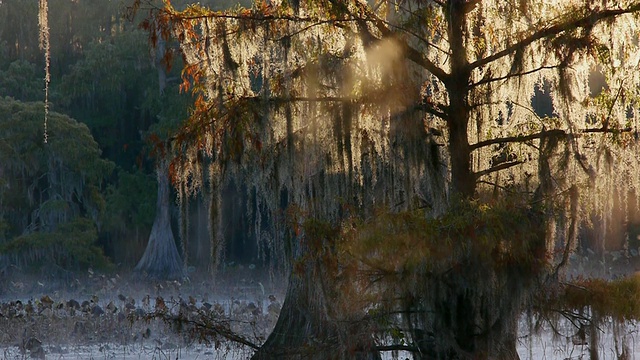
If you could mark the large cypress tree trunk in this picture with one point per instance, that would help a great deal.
(476, 315)
(475, 306)
(310, 326)
(161, 259)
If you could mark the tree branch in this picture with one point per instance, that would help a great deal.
(217, 328)
(433, 110)
(286, 99)
(411, 53)
(396, 348)
(498, 167)
(585, 21)
(519, 138)
(417, 36)
(419, 59)
(485, 81)
(524, 138)
(606, 130)
(430, 109)
(546, 133)
(421, 18)
(470, 5)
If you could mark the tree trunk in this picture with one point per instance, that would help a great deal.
(468, 315)
(216, 240)
(161, 259)
(472, 311)
(594, 342)
(482, 330)
(463, 182)
(307, 327)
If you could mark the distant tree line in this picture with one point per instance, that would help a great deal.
(105, 76)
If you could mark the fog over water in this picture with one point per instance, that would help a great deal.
(39, 319)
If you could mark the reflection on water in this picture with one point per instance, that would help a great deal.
(567, 344)
(108, 318)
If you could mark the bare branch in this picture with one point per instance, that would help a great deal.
(426, 107)
(501, 187)
(220, 328)
(321, 99)
(419, 59)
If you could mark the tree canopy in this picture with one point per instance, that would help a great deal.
(332, 109)
(46, 187)
(329, 86)
(103, 75)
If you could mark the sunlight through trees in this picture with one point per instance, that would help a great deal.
(340, 115)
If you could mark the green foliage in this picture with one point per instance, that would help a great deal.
(106, 93)
(104, 75)
(70, 246)
(45, 186)
(21, 81)
(102, 69)
(129, 215)
(19, 29)
(4, 51)
(501, 236)
(617, 299)
(115, 90)
(131, 203)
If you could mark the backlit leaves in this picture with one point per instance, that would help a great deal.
(331, 106)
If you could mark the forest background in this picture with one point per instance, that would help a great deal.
(106, 78)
